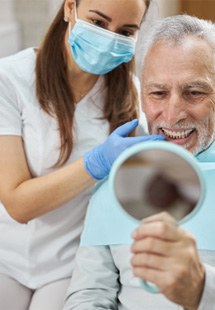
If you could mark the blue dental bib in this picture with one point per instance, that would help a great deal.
(107, 224)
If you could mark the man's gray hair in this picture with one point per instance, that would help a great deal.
(174, 29)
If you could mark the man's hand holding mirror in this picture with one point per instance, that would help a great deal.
(160, 184)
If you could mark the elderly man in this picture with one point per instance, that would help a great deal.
(178, 95)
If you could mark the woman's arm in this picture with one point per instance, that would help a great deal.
(94, 283)
(25, 197)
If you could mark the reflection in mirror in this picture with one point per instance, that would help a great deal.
(157, 180)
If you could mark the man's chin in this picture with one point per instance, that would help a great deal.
(198, 149)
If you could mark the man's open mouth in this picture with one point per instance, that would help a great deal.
(177, 134)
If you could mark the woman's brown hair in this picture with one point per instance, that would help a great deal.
(55, 94)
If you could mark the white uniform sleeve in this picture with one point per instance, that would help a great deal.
(94, 283)
(10, 114)
(208, 297)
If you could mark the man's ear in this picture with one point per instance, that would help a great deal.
(69, 10)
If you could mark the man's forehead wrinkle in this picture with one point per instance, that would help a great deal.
(187, 85)
(156, 85)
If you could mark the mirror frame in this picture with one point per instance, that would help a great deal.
(158, 145)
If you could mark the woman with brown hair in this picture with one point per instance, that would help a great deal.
(58, 105)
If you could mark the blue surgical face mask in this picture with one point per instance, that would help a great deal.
(97, 50)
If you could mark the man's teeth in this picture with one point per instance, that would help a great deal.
(177, 134)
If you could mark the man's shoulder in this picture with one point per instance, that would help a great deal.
(102, 193)
(101, 202)
(106, 223)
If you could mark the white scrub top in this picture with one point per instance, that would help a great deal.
(43, 250)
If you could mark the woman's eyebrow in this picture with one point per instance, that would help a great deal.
(132, 26)
(110, 19)
(102, 15)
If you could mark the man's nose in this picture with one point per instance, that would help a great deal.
(175, 110)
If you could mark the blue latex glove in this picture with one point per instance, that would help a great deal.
(99, 160)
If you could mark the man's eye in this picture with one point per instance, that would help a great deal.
(158, 94)
(194, 93)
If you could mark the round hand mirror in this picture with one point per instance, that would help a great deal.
(153, 177)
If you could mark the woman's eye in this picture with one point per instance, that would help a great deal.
(98, 23)
(126, 33)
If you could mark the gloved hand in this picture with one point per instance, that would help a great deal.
(99, 160)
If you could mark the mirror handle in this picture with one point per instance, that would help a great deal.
(149, 287)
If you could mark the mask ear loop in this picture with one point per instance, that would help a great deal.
(75, 11)
(75, 16)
